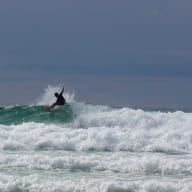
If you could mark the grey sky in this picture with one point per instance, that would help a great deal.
(131, 53)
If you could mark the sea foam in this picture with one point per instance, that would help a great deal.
(46, 184)
(84, 147)
(103, 129)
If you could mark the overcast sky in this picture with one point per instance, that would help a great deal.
(113, 52)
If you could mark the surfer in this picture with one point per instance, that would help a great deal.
(60, 99)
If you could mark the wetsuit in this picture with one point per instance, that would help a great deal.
(60, 100)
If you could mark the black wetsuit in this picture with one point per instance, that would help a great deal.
(60, 100)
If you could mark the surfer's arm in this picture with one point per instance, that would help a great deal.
(53, 105)
(62, 91)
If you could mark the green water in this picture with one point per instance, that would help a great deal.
(21, 114)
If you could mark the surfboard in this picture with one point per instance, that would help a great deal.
(47, 108)
(44, 107)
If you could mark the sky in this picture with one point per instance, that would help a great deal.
(118, 53)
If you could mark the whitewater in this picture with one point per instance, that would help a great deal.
(94, 148)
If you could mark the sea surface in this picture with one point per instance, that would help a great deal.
(94, 148)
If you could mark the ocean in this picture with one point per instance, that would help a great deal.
(94, 148)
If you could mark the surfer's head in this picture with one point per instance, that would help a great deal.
(56, 95)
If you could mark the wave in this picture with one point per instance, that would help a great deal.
(78, 126)
(66, 183)
(83, 127)
(152, 164)
(22, 114)
(85, 147)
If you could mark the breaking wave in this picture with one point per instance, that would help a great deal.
(85, 147)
